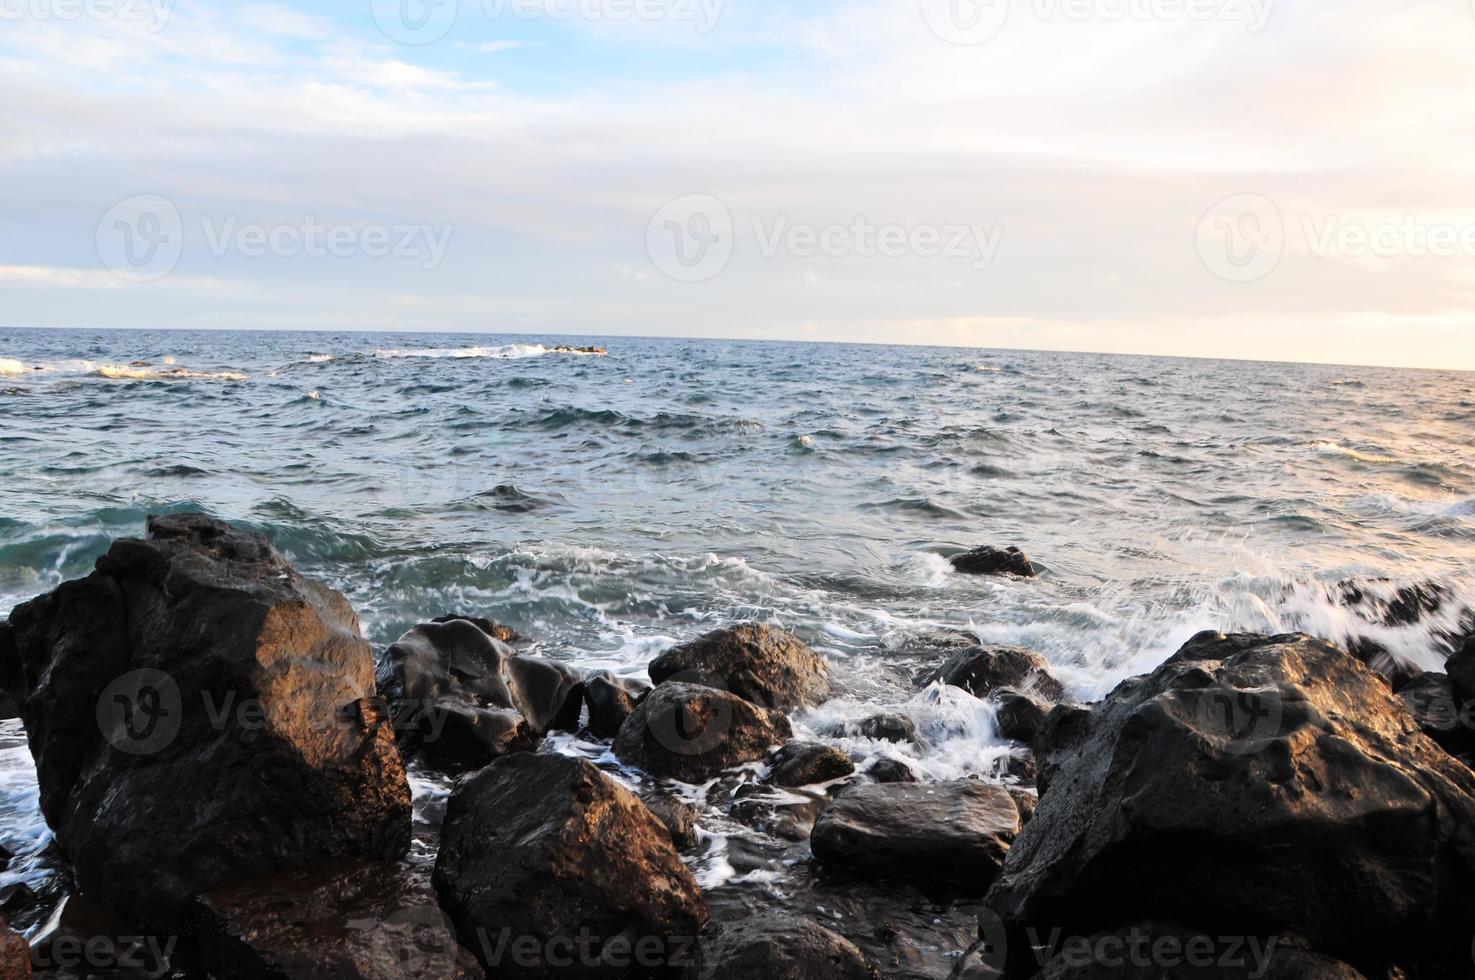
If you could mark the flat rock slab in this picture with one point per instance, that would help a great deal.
(956, 832)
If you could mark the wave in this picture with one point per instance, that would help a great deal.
(119, 372)
(1329, 448)
(506, 352)
(10, 368)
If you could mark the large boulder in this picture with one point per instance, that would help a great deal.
(351, 920)
(983, 669)
(200, 713)
(464, 697)
(775, 947)
(956, 832)
(1280, 769)
(767, 666)
(988, 560)
(691, 733)
(549, 868)
(807, 763)
(611, 699)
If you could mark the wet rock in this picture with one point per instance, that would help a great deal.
(988, 560)
(1430, 698)
(200, 713)
(807, 763)
(15, 954)
(492, 628)
(785, 813)
(778, 948)
(1387, 604)
(611, 700)
(1169, 952)
(982, 670)
(540, 851)
(888, 727)
(1018, 767)
(1017, 716)
(956, 832)
(942, 639)
(1025, 802)
(1460, 668)
(350, 920)
(464, 697)
(1277, 768)
(692, 733)
(680, 820)
(12, 683)
(6, 856)
(767, 666)
(891, 771)
(83, 939)
(17, 899)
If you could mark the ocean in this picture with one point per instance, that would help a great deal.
(610, 506)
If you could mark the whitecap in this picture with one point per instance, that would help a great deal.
(120, 372)
(1329, 448)
(506, 352)
(10, 368)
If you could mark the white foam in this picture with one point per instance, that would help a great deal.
(319, 358)
(1329, 448)
(506, 352)
(10, 368)
(119, 372)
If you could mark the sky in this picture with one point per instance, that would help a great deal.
(1230, 178)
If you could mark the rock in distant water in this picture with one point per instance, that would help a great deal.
(543, 858)
(989, 560)
(769, 947)
(490, 627)
(200, 713)
(465, 697)
(611, 700)
(351, 920)
(956, 832)
(766, 666)
(1279, 769)
(691, 733)
(807, 763)
(15, 954)
(982, 670)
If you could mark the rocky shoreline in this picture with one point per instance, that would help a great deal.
(226, 763)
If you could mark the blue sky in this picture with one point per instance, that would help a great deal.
(1245, 178)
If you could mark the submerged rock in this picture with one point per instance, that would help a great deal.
(982, 670)
(352, 920)
(988, 560)
(549, 868)
(611, 700)
(1281, 770)
(807, 763)
(764, 665)
(200, 713)
(888, 727)
(465, 698)
(956, 832)
(778, 948)
(692, 733)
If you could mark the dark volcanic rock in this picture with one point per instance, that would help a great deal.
(492, 628)
(201, 713)
(545, 850)
(679, 818)
(349, 921)
(891, 771)
(1277, 768)
(807, 763)
(982, 670)
(1381, 601)
(692, 733)
(611, 700)
(771, 947)
(15, 954)
(767, 666)
(945, 832)
(1025, 802)
(888, 727)
(1430, 698)
(1017, 716)
(12, 682)
(989, 560)
(1460, 668)
(1167, 952)
(465, 697)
